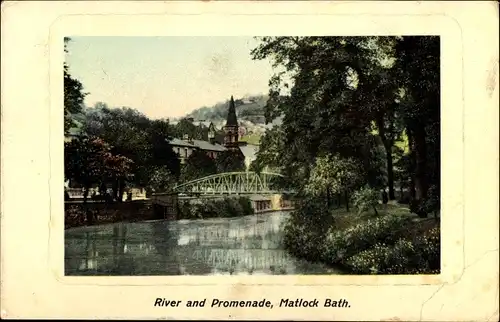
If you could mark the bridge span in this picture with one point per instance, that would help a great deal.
(259, 187)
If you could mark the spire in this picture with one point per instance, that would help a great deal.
(231, 115)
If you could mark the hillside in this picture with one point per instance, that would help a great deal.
(250, 108)
(250, 113)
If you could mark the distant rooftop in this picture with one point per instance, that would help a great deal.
(178, 142)
(203, 145)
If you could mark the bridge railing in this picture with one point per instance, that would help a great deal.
(232, 183)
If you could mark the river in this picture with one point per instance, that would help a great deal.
(220, 246)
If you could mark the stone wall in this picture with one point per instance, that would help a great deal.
(102, 213)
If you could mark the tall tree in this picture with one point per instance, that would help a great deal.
(73, 95)
(271, 151)
(89, 161)
(418, 65)
(343, 88)
(334, 175)
(135, 136)
(197, 165)
(186, 127)
(331, 104)
(230, 161)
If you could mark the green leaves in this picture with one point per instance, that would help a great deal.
(229, 161)
(89, 160)
(335, 173)
(365, 198)
(133, 135)
(73, 95)
(198, 165)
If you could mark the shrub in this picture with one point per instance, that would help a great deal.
(304, 232)
(228, 207)
(246, 206)
(342, 244)
(184, 210)
(366, 198)
(420, 256)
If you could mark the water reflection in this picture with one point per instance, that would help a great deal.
(248, 245)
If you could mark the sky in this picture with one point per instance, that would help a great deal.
(166, 77)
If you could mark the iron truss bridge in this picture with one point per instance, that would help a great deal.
(231, 183)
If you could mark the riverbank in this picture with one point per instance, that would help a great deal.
(219, 208)
(106, 213)
(392, 242)
(141, 210)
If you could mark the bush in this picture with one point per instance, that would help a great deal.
(246, 206)
(342, 244)
(420, 256)
(228, 207)
(366, 198)
(304, 233)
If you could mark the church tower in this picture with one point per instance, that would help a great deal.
(231, 128)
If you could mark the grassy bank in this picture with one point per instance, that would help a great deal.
(227, 207)
(392, 242)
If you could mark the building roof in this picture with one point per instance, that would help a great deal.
(200, 144)
(205, 145)
(178, 142)
(231, 115)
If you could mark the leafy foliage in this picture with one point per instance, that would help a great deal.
(271, 150)
(227, 207)
(229, 161)
(198, 165)
(335, 173)
(186, 127)
(336, 93)
(89, 160)
(73, 96)
(366, 198)
(135, 136)
(161, 179)
(419, 256)
(342, 244)
(306, 230)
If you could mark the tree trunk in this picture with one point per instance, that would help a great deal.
(346, 200)
(421, 184)
(121, 190)
(376, 212)
(388, 143)
(390, 175)
(411, 146)
(115, 189)
(88, 213)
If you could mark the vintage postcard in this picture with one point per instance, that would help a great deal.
(241, 160)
